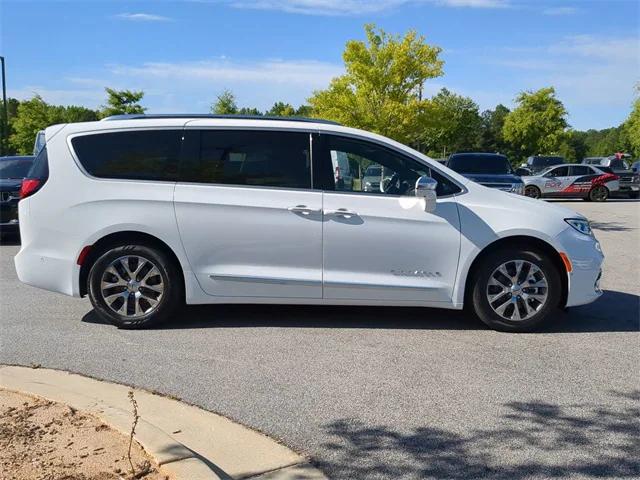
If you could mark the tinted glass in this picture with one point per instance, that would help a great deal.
(248, 157)
(576, 170)
(17, 167)
(40, 166)
(604, 169)
(559, 172)
(134, 155)
(397, 174)
(618, 165)
(480, 164)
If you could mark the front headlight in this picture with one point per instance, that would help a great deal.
(580, 224)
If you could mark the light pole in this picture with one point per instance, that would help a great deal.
(5, 122)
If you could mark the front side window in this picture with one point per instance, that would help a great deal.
(558, 172)
(132, 155)
(374, 169)
(248, 157)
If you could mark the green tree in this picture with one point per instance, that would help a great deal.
(537, 125)
(455, 124)
(573, 146)
(225, 104)
(12, 111)
(381, 90)
(122, 102)
(632, 127)
(491, 138)
(281, 109)
(304, 111)
(32, 116)
(250, 111)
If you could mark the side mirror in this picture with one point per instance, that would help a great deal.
(426, 189)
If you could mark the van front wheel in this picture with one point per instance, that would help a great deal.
(134, 286)
(516, 290)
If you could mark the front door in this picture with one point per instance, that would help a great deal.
(250, 223)
(379, 243)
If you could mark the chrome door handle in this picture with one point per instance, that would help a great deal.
(303, 209)
(341, 212)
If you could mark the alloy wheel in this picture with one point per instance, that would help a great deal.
(132, 286)
(532, 192)
(517, 290)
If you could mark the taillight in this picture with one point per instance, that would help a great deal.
(29, 187)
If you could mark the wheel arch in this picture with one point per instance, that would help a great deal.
(120, 238)
(519, 241)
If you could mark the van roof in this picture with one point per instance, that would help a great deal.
(144, 116)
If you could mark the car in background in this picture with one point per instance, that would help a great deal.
(492, 170)
(12, 171)
(342, 170)
(629, 180)
(572, 181)
(538, 163)
(635, 167)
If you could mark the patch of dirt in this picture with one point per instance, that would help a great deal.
(43, 440)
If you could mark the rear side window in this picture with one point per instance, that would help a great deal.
(577, 170)
(247, 157)
(133, 155)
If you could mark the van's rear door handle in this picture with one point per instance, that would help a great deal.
(341, 212)
(303, 209)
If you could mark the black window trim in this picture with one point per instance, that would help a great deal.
(311, 132)
(76, 159)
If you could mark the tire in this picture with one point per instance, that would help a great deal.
(599, 193)
(532, 191)
(154, 272)
(534, 311)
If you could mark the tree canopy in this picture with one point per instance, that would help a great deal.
(381, 90)
(122, 102)
(537, 124)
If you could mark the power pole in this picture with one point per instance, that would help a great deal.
(5, 122)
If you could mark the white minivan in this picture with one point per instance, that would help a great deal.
(144, 213)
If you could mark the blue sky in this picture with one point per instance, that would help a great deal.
(183, 53)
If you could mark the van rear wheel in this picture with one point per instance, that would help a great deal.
(134, 286)
(516, 290)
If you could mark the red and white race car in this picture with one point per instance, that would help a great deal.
(572, 181)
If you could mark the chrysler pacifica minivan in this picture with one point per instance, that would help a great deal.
(145, 213)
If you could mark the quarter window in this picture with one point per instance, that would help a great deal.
(248, 157)
(365, 167)
(134, 155)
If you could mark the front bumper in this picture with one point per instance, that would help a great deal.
(586, 258)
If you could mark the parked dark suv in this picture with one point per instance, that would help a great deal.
(489, 169)
(12, 171)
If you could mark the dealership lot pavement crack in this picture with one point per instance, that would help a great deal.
(383, 392)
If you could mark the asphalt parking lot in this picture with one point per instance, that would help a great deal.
(384, 392)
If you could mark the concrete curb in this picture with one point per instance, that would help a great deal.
(187, 442)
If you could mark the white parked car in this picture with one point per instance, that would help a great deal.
(572, 181)
(147, 212)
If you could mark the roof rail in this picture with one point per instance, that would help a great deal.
(144, 116)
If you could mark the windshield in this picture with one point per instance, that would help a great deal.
(487, 164)
(373, 172)
(15, 167)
